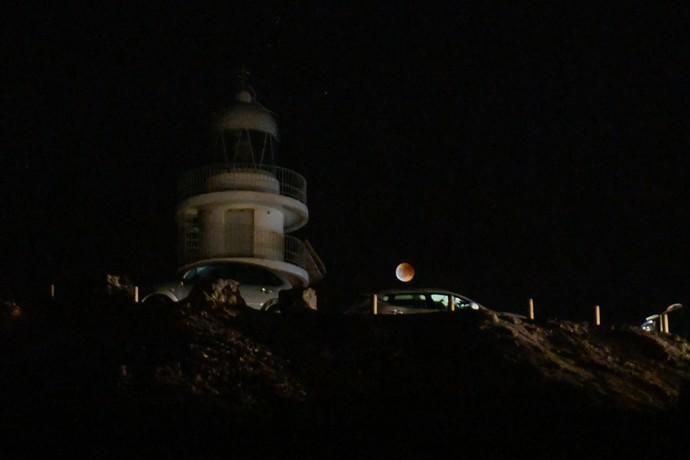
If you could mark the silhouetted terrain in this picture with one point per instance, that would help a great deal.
(106, 377)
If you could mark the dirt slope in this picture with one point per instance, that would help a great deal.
(208, 378)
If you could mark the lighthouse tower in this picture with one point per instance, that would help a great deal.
(243, 208)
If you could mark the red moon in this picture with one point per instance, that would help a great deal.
(404, 272)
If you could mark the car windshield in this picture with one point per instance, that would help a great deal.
(243, 273)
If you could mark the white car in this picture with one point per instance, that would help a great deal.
(412, 301)
(259, 286)
(674, 319)
(651, 323)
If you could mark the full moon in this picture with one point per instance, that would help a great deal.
(404, 272)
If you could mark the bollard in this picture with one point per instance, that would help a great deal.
(136, 294)
(531, 308)
(664, 319)
(666, 327)
(597, 315)
(375, 304)
(52, 291)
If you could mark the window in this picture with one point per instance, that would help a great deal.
(243, 273)
(406, 300)
(461, 303)
(409, 300)
(190, 275)
(251, 274)
(440, 301)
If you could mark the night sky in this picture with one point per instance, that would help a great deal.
(505, 151)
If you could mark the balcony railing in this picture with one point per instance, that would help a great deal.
(259, 244)
(294, 251)
(221, 177)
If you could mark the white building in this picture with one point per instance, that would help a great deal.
(241, 210)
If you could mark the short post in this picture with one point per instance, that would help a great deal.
(597, 315)
(136, 294)
(375, 304)
(531, 308)
(52, 291)
(666, 325)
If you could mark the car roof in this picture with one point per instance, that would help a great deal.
(217, 262)
(213, 263)
(208, 263)
(418, 291)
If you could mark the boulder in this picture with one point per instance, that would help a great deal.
(118, 285)
(297, 300)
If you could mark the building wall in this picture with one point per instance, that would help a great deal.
(218, 231)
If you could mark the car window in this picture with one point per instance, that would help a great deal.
(204, 273)
(440, 301)
(251, 274)
(190, 275)
(461, 302)
(244, 274)
(408, 300)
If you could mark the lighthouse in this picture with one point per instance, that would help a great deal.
(243, 208)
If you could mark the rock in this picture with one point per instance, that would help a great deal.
(309, 297)
(225, 292)
(210, 369)
(11, 310)
(219, 294)
(297, 300)
(118, 285)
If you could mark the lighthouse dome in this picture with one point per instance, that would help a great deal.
(248, 114)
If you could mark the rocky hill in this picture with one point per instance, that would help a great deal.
(106, 377)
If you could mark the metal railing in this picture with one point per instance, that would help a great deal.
(295, 251)
(196, 181)
(259, 244)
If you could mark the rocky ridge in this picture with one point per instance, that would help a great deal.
(215, 372)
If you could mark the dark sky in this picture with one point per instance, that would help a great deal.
(506, 151)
